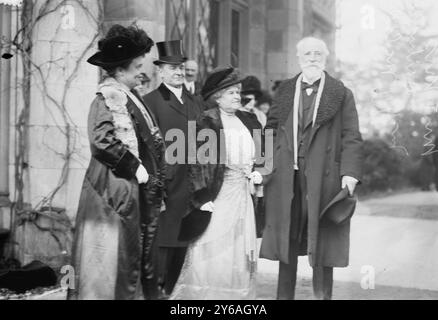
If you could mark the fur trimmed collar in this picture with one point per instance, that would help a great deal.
(248, 119)
(116, 100)
(331, 99)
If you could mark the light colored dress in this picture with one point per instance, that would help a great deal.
(221, 264)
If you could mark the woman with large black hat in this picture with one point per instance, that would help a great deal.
(221, 260)
(123, 186)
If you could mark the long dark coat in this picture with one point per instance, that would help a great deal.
(171, 114)
(333, 151)
(206, 179)
(108, 244)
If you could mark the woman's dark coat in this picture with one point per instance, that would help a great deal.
(206, 179)
(108, 243)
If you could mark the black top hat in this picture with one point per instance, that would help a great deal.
(117, 50)
(340, 209)
(170, 52)
(220, 78)
(251, 85)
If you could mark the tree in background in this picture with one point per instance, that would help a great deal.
(397, 100)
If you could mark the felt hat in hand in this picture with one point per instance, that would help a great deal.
(340, 208)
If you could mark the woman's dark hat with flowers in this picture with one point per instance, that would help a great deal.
(220, 78)
(115, 51)
(170, 52)
(120, 46)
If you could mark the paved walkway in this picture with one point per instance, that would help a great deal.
(395, 237)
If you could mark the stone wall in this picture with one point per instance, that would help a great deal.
(61, 47)
(257, 39)
(284, 28)
(149, 15)
(288, 22)
(62, 86)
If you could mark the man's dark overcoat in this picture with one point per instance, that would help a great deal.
(334, 150)
(171, 114)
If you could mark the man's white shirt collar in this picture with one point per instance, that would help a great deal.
(307, 81)
(190, 86)
(176, 91)
(310, 90)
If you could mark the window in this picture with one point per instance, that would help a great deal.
(235, 33)
(197, 24)
(213, 31)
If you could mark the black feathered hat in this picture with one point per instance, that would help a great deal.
(120, 46)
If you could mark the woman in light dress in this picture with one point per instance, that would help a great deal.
(221, 262)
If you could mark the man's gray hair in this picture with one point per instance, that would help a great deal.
(306, 40)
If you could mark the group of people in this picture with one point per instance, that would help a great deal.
(149, 228)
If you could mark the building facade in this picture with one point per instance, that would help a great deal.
(47, 87)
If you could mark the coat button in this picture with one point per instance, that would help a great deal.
(327, 172)
(329, 148)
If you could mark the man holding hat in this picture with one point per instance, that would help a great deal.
(309, 196)
(173, 108)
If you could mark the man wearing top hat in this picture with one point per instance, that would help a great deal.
(309, 195)
(173, 107)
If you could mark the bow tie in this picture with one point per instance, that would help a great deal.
(314, 86)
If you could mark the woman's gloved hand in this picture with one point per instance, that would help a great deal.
(256, 177)
(141, 174)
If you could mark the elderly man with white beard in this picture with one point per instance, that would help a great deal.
(316, 166)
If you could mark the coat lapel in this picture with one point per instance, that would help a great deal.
(172, 101)
(286, 100)
(331, 102)
(189, 102)
(137, 117)
(215, 118)
(151, 114)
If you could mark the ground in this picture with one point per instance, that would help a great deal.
(394, 238)
(393, 247)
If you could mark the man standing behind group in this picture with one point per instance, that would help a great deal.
(173, 108)
(192, 86)
(317, 160)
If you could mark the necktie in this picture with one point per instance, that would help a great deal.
(314, 86)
